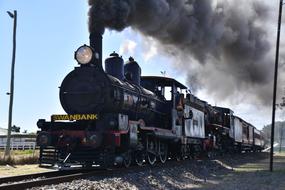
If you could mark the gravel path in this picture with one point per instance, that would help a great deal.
(233, 173)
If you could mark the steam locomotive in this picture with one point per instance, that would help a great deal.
(117, 116)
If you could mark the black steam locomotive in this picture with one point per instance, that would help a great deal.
(117, 116)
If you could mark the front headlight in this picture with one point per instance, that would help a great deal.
(84, 54)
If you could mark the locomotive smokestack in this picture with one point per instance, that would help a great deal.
(96, 43)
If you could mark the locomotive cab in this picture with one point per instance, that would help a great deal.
(168, 89)
(186, 114)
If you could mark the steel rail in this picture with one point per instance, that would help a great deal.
(26, 181)
(33, 176)
(52, 178)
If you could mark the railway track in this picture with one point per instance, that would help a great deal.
(46, 178)
(56, 177)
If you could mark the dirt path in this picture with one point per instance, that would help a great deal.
(7, 170)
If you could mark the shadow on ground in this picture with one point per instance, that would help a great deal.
(238, 172)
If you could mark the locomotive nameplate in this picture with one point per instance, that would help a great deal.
(74, 117)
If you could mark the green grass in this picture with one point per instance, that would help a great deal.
(277, 153)
(19, 152)
(23, 152)
(19, 157)
(276, 149)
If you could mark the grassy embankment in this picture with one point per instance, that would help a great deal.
(19, 157)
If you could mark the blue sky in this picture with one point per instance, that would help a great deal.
(48, 33)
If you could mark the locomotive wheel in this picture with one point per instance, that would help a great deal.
(181, 155)
(163, 152)
(139, 158)
(178, 158)
(127, 159)
(151, 158)
(151, 151)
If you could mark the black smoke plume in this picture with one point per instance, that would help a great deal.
(223, 46)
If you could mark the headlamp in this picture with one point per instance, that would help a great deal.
(84, 55)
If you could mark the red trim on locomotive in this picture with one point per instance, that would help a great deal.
(74, 137)
(116, 136)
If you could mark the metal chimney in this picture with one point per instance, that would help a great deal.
(96, 39)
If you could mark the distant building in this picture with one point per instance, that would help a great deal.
(3, 131)
(19, 141)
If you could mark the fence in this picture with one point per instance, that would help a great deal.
(19, 142)
(20, 145)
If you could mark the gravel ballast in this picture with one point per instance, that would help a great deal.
(247, 171)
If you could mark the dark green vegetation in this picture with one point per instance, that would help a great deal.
(279, 132)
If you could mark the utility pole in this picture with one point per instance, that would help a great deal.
(275, 84)
(11, 93)
(282, 105)
(280, 139)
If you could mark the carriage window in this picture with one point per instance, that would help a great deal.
(168, 91)
(159, 91)
(179, 90)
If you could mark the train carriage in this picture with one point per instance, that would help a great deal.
(258, 140)
(237, 130)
